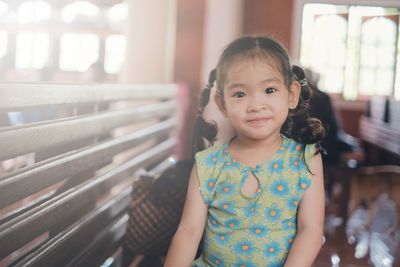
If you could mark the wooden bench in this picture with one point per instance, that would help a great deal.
(69, 208)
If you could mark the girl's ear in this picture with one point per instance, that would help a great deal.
(294, 94)
(219, 100)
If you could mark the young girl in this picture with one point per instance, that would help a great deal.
(258, 199)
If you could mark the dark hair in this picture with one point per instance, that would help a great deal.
(299, 125)
(203, 129)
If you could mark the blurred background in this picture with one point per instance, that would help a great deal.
(351, 46)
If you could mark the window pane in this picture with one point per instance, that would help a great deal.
(363, 46)
(3, 43)
(78, 51)
(385, 81)
(397, 84)
(118, 13)
(329, 51)
(32, 50)
(3, 8)
(33, 11)
(334, 77)
(79, 9)
(115, 53)
(366, 81)
(378, 39)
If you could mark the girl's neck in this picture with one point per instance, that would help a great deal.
(267, 143)
(253, 152)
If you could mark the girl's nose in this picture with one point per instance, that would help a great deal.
(256, 107)
(257, 102)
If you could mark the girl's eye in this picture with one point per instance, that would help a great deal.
(239, 94)
(270, 90)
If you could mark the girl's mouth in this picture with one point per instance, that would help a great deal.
(258, 120)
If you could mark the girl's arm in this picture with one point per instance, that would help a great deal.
(183, 248)
(310, 220)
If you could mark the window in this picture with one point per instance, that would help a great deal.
(33, 12)
(118, 12)
(115, 53)
(32, 50)
(3, 43)
(79, 9)
(329, 50)
(377, 56)
(78, 51)
(62, 41)
(3, 8)
(353, 48)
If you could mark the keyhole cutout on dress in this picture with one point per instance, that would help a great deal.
(251, 185)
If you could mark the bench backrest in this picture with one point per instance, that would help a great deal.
(68, 206)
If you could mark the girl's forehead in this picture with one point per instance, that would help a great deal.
(256, 66)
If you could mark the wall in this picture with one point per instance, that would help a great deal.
(349, 114)
(188, 57)
(150, 31)
(271, 17)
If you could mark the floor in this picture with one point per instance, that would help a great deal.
(338, 252)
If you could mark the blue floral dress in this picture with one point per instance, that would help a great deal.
(255, 230)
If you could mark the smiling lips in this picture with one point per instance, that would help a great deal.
(258, 120)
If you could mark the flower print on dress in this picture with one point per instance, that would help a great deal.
(272, 249)
(251, 209)
(222, 239)
(282, 149)
(211, 159)
(276, 166)
(273, 213)
(303, 183)
(279, 187)
(296, 163)
(243, 263)
(226, 189)
(244, 248)
(227, 206)
(295, 147)
(217, 259)
(213, 221)
(206, 242)
(210, 184)
(293, 203)
(231, 164)
(258, 231)
(289, 224)
(276, 264)
(289, 240)
(232, 223)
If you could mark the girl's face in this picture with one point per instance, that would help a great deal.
(256, 100)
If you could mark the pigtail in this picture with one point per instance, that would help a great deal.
(202, 129)
(299, 125)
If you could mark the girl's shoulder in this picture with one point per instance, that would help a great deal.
(214, 151)
(294, 147)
